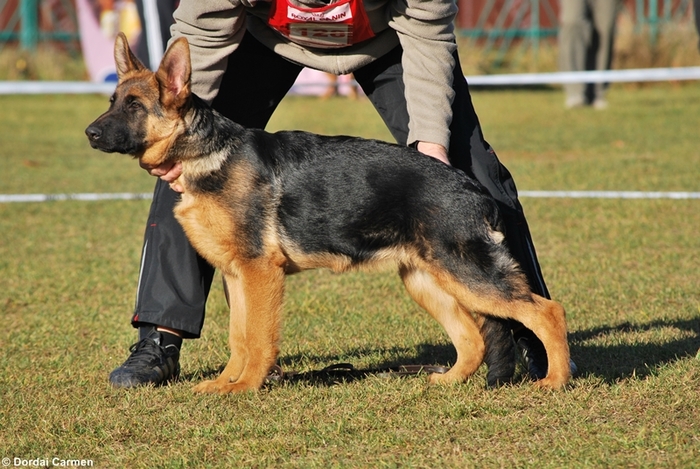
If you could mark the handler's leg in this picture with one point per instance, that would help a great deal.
(174, 281)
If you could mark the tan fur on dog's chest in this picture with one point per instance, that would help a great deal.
(210, 227)
(216, 222)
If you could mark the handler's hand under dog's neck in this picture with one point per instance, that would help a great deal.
(168, 172)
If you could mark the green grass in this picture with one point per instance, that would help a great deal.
(626, 270)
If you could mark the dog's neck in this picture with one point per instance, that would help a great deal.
(203, 124)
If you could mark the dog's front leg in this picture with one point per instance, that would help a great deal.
(236, 339)
(256, 296)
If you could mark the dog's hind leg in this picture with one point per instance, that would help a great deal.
(546, 318)
(256, 294)
(458, 323)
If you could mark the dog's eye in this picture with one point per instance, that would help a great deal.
(135, 105)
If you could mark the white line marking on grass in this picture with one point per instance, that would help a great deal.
(610, 194)
(7, 198)
(10, 198)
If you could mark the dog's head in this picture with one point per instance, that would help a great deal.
(147, 110)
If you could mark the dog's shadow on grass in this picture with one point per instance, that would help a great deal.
(333, 369)
(628, 350)
(612, 353)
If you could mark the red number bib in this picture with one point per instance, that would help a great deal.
(339, 24)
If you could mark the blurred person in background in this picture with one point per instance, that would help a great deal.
(334, 86)
(696, 12)
(586, 35)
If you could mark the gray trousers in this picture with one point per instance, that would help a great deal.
(586, 34)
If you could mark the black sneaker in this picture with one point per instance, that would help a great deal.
(535, 358)
(500, 357)
(149, 363)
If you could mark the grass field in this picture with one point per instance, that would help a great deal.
(626, 270)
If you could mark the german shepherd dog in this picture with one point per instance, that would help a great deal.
(258, 206)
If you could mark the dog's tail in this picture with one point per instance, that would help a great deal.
(482, 258)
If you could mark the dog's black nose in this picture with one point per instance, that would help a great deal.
(93, 133)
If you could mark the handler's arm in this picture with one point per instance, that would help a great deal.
(426, 33)
(213, 28)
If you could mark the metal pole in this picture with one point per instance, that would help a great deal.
(535, 27)
(639, 10)
(653, 20)
(29, 32)
(153, 37)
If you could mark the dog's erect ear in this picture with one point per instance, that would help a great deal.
(174, 74)
(126, 61)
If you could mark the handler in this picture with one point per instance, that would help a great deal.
(246, 54)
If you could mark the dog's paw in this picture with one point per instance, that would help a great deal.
(208, 387)
(446, 378)
(222, 387)
(552, 382)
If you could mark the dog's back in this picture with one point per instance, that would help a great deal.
(343, 202)
(358, 198)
